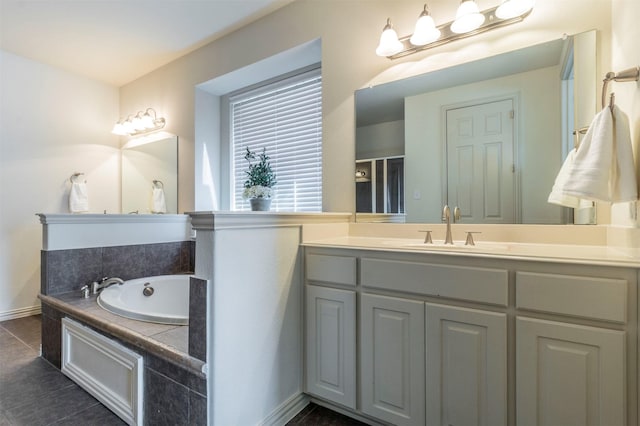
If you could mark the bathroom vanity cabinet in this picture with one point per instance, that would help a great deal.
(454, 339)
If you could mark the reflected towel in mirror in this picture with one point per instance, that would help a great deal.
(603, 168)
(158, 203)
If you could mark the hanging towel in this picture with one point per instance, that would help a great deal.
(625, 186)
(557, 196)
(78, 198)
(158, 204)
(603, 167)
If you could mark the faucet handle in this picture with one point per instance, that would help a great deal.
(469, 241)
(427, 238)
(446, 213)
(456, 214)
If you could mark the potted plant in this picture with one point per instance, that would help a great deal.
(260, 180)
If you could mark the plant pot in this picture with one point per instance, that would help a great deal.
(260, 204)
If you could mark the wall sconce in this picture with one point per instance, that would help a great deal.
(469, 21)
(141, 123)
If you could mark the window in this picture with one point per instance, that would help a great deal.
(285, 118)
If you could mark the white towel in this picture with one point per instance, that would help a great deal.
(78, 198)
(626, 183)
(158, 204)
(557, 196)
(603, 167)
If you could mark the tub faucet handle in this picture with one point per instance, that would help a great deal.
(85, 291)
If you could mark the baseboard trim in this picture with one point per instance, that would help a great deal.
(286, 411)
(20, 313)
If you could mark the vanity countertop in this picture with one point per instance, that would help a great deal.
(558, 253)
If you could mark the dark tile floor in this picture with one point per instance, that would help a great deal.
(34, 393)
(315, 415)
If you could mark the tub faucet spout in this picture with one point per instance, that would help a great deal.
(104, 283)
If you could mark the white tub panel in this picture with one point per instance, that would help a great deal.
(107, 370)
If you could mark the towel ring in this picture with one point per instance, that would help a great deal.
(630, 74)
(74, 177)
(158, 184)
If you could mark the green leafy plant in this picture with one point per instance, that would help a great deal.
(260, 176)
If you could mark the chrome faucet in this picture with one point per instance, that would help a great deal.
(446, 217)
(104, 283)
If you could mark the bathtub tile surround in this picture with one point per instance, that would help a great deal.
(51, 335)
(127, 247)
(168, 373)
(169, 401)
(198, 318)
(67, 270)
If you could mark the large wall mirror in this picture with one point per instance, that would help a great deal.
(487, 136)
(150, 174)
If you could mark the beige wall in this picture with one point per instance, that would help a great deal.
(626, 54)
(380, 140)
(349, 30)
(52, 124)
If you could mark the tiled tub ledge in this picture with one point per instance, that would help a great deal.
(167, 342)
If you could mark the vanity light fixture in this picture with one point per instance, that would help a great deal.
(389, 43)
(469, 21)
(425, 31)
(141, 123)
(468, 17)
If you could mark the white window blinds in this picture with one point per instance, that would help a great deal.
(286, 119)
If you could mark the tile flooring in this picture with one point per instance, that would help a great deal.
(33, 392)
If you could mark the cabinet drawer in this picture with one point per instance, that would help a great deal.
(456, 282)
(334, 269)
(599, 298)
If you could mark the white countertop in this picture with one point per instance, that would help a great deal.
(560, 253)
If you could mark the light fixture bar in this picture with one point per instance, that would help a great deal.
(491, 22)
(140, 124)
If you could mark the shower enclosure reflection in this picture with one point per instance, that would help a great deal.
(150, 174)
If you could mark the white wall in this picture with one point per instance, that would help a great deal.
(349, 30)
(538, 137)
(52, 124)
(626, 54)
(380, 140)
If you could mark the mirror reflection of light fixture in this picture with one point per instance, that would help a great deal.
(389, 43)
(141, 123)
(468, 17)
(469, 22)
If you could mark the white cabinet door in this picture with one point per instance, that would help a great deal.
(331, 344)
(569, 374)
(392, 359)
(466, 366)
